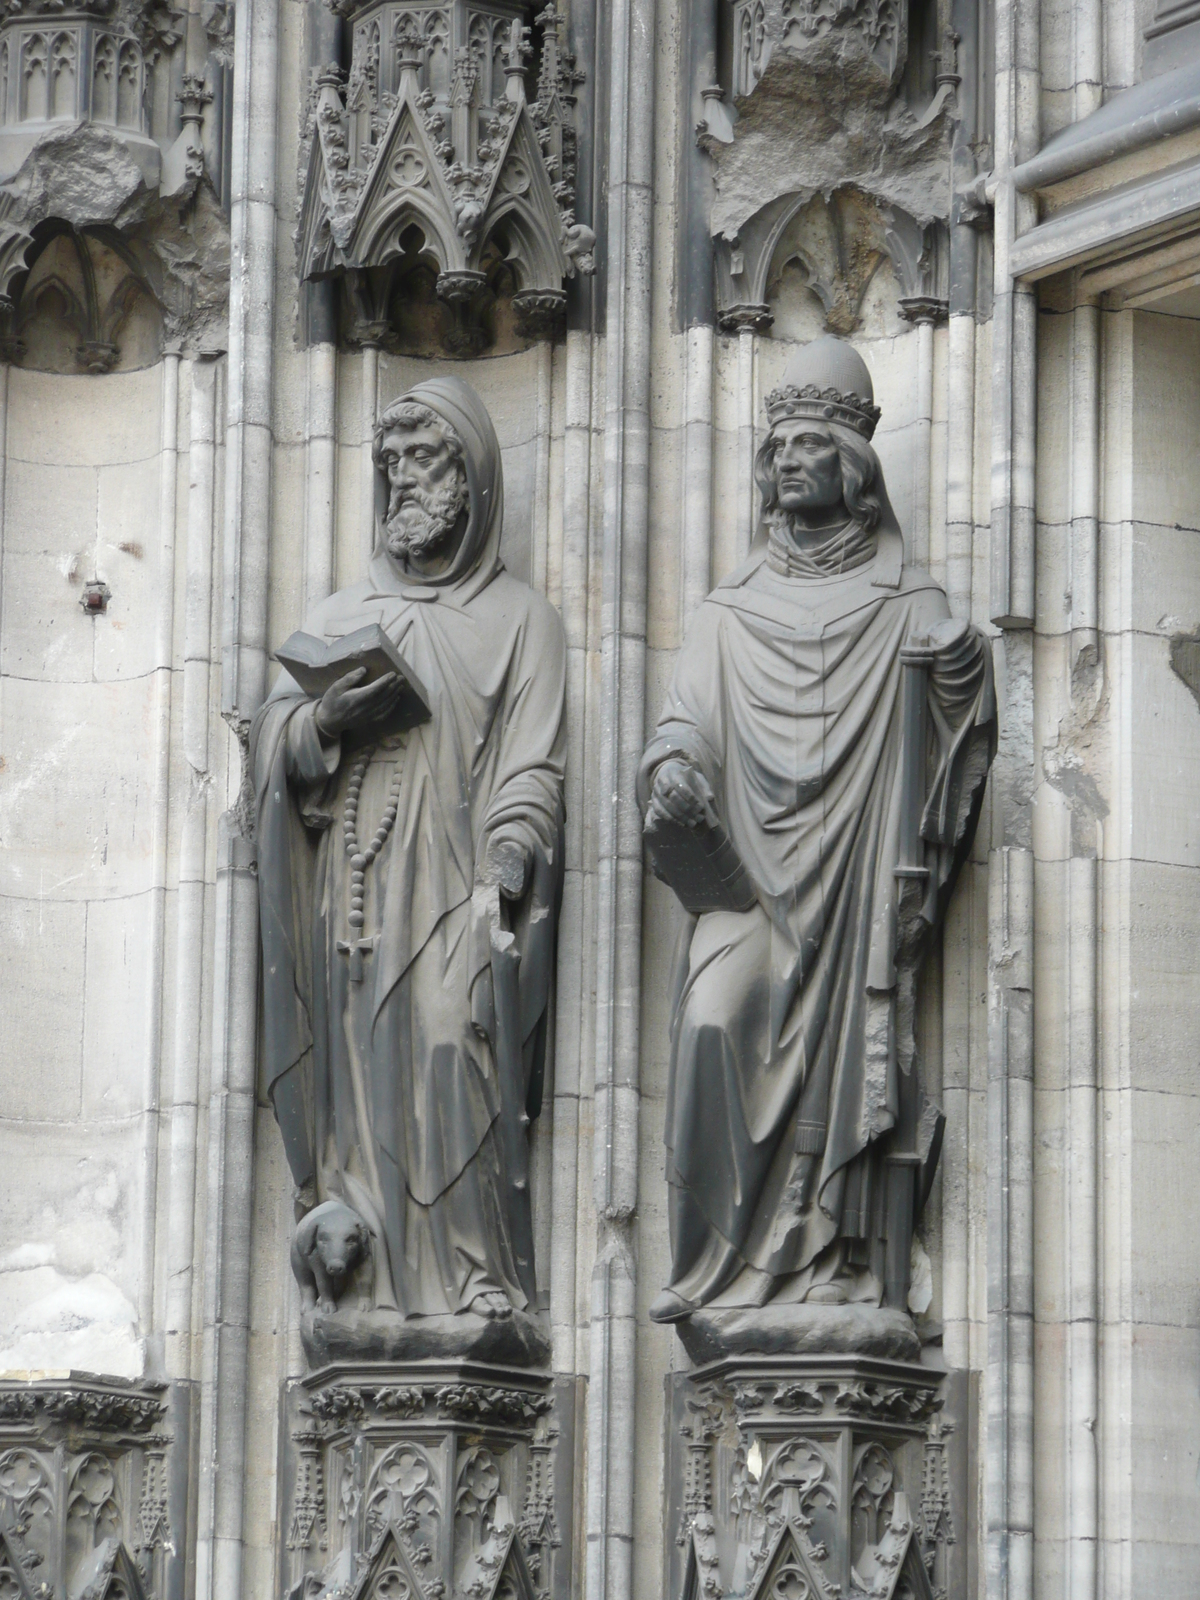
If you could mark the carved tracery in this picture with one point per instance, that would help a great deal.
(97, 87)
(86, 1499)
(80, 302)
(423, 160)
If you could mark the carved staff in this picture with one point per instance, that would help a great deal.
(903, 1159)
(914, 690)
(514, 1117)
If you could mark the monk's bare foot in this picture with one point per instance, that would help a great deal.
(491, 1304)
(826, 1294)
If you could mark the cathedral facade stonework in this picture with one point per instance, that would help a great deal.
(599, 698)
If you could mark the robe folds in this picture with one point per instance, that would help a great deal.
(390, 1091)
(791, 1045)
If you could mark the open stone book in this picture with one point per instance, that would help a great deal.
(316, 666)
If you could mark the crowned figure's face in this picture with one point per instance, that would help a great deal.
(427, 496)
(808, 472)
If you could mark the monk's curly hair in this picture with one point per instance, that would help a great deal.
(411, 414)
(861, 472)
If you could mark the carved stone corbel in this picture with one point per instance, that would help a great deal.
(93, 1489)
(820, 1476)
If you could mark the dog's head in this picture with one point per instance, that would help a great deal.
(341, 1241)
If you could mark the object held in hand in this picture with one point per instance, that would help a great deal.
(316, 666)
(699, 862)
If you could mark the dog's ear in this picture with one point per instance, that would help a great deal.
(364, 1237)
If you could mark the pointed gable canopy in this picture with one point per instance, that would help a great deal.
(109, 1573)
(388, 1560)
(505, 1575)
(793, 1566)
(468, 161)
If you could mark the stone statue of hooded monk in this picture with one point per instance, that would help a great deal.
(410, 883)
(798, 1142)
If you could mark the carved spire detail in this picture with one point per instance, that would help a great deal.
(449, 145)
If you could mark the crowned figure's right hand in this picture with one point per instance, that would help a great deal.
(680, 793)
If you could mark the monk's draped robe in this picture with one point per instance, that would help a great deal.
(792, 1020)
(388, 1090)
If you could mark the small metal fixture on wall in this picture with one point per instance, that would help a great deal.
(435, 190)
(95, 597)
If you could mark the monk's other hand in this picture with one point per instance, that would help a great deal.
(346, 705)
(681, 793)
(507, 865)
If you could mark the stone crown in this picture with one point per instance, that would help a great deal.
(823, 405)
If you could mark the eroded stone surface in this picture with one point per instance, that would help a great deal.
(518, 1340)
(800, 1330)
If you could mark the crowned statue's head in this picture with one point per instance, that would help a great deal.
(816, 469)
(441, 489)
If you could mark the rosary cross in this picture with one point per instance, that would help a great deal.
(355, 949)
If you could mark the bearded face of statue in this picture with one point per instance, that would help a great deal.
(428, 494)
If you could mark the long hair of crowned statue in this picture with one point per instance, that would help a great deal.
(477, 557)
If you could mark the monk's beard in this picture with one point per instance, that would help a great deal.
(421, 522)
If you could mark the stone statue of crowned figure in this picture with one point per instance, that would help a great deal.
(811, 792)
(409, 783)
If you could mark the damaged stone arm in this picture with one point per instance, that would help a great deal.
(962, 705)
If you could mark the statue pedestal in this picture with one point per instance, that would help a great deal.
(519, 1340)
(428, 1479)
(810, 1477)
(800, 1330)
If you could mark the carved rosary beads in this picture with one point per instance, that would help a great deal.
(360, 859)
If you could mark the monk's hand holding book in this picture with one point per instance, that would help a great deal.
(360, 682)
(350, 703)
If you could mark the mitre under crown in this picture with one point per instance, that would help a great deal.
(828, 381)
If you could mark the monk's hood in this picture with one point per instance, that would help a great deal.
(477, 558)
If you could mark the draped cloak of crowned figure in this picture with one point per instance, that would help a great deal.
(799, 1145)
(389, 1042)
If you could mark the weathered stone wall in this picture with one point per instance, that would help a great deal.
(83, 892)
